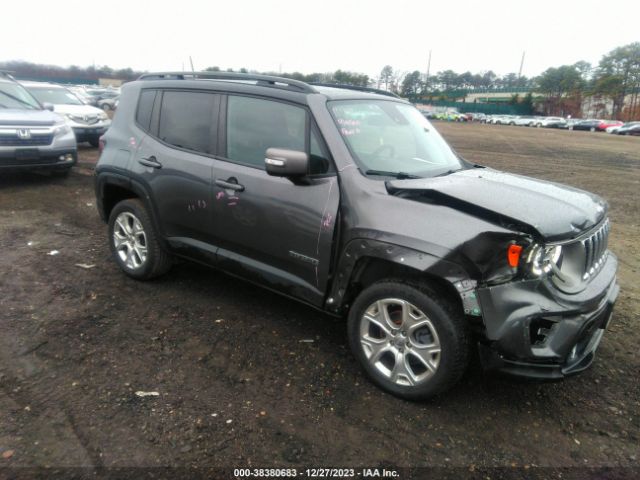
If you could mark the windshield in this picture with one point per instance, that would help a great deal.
(13, 95)
(392, 138)
(55, 96)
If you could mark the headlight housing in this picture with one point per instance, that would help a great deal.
(103, 116)
(61, 129)
(543, 259)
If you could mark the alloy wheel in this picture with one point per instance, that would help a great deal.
(400, 342)
(130, 240)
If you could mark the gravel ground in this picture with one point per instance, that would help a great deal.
(246, 378)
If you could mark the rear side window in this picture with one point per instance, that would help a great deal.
(186, 120)
(254, 125)
(145, 109)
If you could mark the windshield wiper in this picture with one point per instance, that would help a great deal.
(448, 172)
(398, 175)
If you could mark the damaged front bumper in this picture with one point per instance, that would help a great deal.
(534, 330)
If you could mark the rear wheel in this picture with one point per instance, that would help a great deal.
(411, 341)
(135, 243)
(106, 107)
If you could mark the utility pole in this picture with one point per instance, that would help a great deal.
(426, 81)
(191, 61)
(521, 64)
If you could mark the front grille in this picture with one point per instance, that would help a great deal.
(85, 119)
(595, 250)
(14, 141)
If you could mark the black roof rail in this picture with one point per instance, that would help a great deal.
(263, 80)
(356, 87)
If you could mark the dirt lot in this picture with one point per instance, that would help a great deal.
(237, 384)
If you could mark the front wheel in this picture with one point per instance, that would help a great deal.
(410, 341)
(134, 242)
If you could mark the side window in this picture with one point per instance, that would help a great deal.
(186, 120)
(145, 108)
(254, 125)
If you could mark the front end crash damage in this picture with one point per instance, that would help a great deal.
(533, 330)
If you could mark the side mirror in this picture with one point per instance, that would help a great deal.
(280, 162)
(48, 106)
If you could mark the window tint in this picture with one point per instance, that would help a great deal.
(253, 125)
(145, 107)
(185, 120)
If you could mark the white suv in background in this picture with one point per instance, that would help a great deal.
(88, 123)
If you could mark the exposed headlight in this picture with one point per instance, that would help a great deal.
(543, 259)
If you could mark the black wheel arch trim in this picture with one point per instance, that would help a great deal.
(425, 263)
(109, 176)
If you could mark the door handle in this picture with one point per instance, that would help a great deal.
(230, 184)
(150, 162)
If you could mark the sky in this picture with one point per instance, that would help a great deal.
(319, 36)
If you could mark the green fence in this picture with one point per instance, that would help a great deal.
(492, 108)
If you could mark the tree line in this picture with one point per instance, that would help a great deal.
(615, 79)
(562, 89)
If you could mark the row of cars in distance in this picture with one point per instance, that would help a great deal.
(42, 123)
(591, 124)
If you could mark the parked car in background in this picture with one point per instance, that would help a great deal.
(88, 123)
(589, 124)
(82, 95)
(524, 121)
(569, 123)
(478, 117)
(108, 104)
(32, 137)
(604, 124)
(631, 128)
(550, 122)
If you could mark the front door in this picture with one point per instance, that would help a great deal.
(273, 230)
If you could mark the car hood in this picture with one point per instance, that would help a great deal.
(20, 117)
(77, 109)
(550, 210)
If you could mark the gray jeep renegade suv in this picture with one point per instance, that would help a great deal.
(32, 137)
(349, 200)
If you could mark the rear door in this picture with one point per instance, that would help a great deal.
(175, 162)
(273, 230)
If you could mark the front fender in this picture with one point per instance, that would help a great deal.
(358, 249)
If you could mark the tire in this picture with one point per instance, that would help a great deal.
(432, 332)
(106, 107)
(94, 142)
(135, 243)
